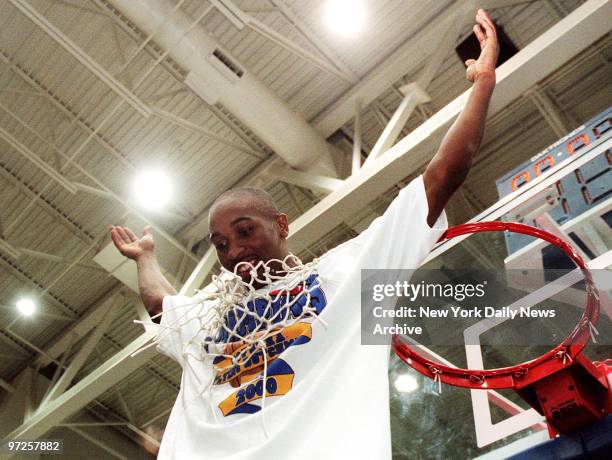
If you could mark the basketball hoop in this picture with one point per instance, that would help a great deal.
(563, 385)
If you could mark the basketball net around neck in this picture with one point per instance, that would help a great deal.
(235, 321)
(240, 314)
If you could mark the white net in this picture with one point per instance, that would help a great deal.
(240, 327)
(241, 317)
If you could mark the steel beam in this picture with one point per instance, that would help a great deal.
(544, 55)
(41, 164)
(444, 45)
(495, 4)
(11, 308)
(97, 442)
(231, 12)
(315, 41)
(36, 285)
(300, 52)
(81, 7)
(63, 108)
(415, 49)
(249, 138)
(60, 366)
(79, 329)
(61, 39)
(193, 127)
(93, 424)
(356, 158)
(294, 201)
(240, 19)
(7, 386)
(102, 190)
(302, 179)
(124, 405)
(9, 249)
(413, 96)
(105, 194)
(237, 89)
(53, 258)
(549, 111)
(84, 351)
(381, 117)
(97, 382)
(200, 272)
(537, 60)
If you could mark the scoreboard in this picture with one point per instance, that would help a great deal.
(580, 190)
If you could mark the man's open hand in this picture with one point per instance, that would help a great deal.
(129, 244)
(484, 66)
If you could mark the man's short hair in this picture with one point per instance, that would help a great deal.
(251, 196)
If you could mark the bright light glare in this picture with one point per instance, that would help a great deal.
(406, 383)
(26, 307)
(345, 17)
(152, 189)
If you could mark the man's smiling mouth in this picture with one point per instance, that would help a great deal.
(245, 265)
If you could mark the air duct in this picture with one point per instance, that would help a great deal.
(218, 77)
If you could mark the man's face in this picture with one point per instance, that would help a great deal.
(242, 233)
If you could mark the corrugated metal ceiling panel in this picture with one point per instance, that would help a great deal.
(205, 167)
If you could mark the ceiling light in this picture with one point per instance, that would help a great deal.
(345, 17)
(26, 307)
(406, 383)
(152, 189)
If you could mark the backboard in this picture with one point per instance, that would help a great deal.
(461, 423)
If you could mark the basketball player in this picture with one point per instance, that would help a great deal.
(322, 393)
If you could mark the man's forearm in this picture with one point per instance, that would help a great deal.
(465, 135)
(152, 284)
(451, 164)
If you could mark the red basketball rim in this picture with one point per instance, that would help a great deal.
(514, 376)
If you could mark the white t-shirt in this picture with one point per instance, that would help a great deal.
(327, 395)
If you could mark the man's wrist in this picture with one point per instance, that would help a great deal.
(485, 79)
(144, 257)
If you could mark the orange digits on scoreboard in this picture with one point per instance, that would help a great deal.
(522, 175)
(543, 165)
(577, 143)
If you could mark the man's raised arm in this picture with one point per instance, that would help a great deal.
(152, 284)
(450, 165)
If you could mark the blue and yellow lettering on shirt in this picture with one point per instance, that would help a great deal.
(247, 373)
